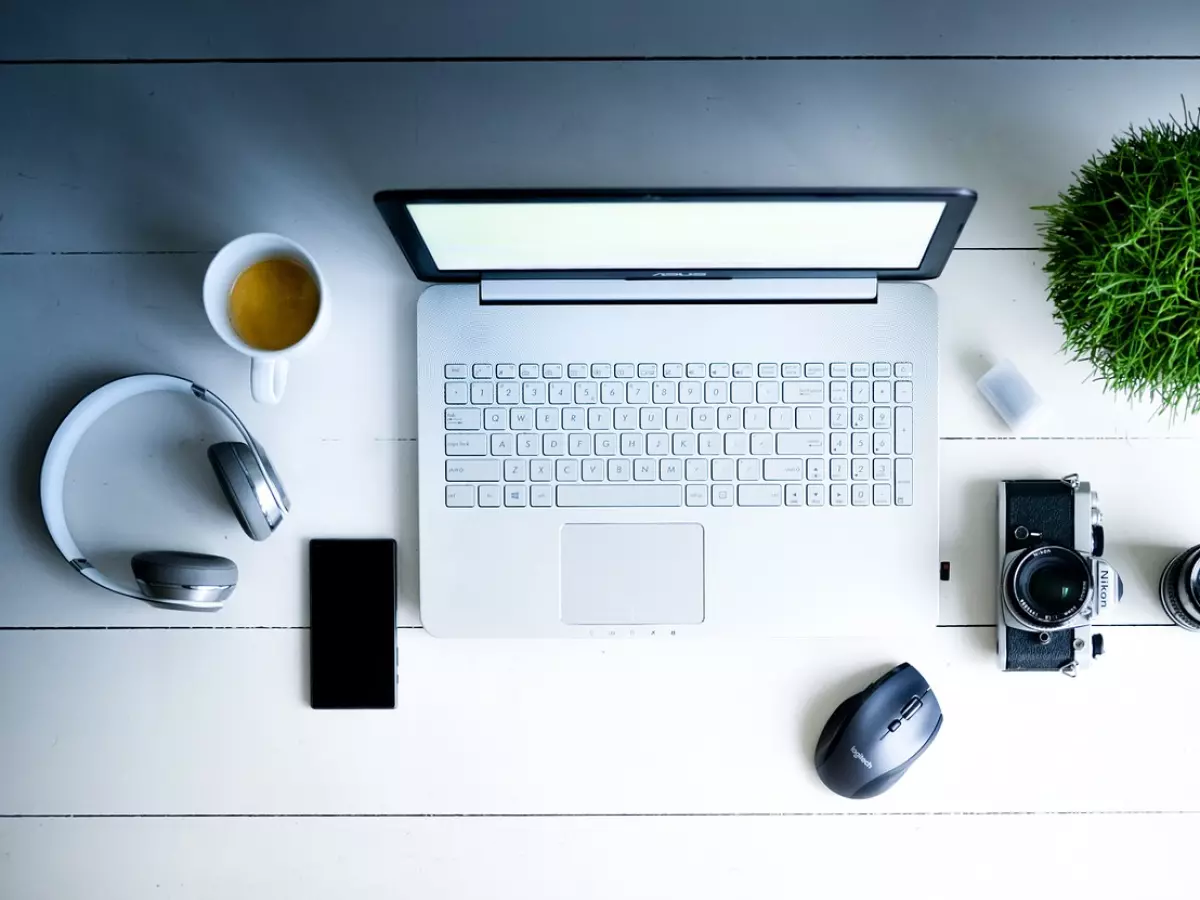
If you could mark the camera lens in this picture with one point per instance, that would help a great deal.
(1050, 585)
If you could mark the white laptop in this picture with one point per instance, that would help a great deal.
(670, 413)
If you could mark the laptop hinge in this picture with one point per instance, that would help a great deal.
(697, 290)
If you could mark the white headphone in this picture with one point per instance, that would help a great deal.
(169, 578)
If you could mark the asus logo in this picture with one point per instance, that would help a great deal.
(680, 275)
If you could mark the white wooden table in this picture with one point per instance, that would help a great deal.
(153, 754)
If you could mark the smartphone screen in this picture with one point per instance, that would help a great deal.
(352, 613)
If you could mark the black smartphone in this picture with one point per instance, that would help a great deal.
(352, 618)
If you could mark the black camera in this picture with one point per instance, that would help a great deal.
(1053, 582)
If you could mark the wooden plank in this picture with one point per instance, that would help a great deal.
(542, 28)
(344, 437)
(185, 157)
(216, 722)
(584, 858)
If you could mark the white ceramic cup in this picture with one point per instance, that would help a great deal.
(268, 368)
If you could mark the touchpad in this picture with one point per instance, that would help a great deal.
(632, 574)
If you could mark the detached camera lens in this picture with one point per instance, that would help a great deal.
(1050, 585)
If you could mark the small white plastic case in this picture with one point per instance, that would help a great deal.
(1006, 389)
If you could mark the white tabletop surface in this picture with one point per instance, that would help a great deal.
(154, 754)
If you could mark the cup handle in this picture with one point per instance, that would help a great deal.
(268, 378)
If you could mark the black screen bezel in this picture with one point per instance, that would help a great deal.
(393, 206)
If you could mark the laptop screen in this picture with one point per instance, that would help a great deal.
(868, 232)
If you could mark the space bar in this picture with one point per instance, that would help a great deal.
(619, 495)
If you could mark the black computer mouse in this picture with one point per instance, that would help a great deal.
(874, 736)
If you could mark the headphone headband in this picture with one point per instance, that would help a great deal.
(72, 430)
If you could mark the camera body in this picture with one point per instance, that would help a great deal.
(1054, 584)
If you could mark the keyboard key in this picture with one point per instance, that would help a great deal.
(678, 418)
(860, 417)
(514, 495)
(456, 392)
(541, 495)
(710, 444)
(696, 370)
(768, 370)
(657, 444)
(729, 417)
(683, 444)
(741, 392)
(554, 444)
(816, 495)
(881, 392)
(577, 370)
(903, 370)
(548, 419)
(672, 370)
(716, 392)
(760, 495)
(860, 495)
(489, 496)
(529, 370)
(882, 495)
(633, 444)
(748, 469)
(803, 392)
(481, 370)
(792, 370)
(625, 418)
(743, 370)
(860, 370)
(566, 469)
(762, 443)
(464, 419)
(860, 469)
(647, 370)
(593, 470)
(904, 392)
(839, 370)
(473, 470)
(838, 469)
(904, 429)
(793, 495)
(722, 470)
(767, 392)
(552, 370)
(696, 469)
(839, 392)
(781, 417)
(541, 470)
(882, 370)
(637, 392)
(722, 495)
(502, 445)
(606, 444)
(579, 444)
(882, 418)
(881, 470)
(561, 392)
(466, 445)
(737, 444)
(859, 444)
(881, 442)
(838, 416)
(703, 418)
(696, 495)
(651, 419)
(904, 482)
(602, 370)
(534, 393)
(800, 443)
(600, 418)
(815, 470)
(838, 445)
(814, 370)
(506, 370)
(860, 392)
(718, 370)
(516, 470)
(509, 393)
(483, 393)
(755, 418)
(808, 417)
(663, 391)
(573, 418)
(456, 370)
(612, 392)
(783, 470)
(838, 495)
(645, 470)
(690, 392)
(460, 495)
(624, 370)
(669, 470)
(618, 495)
(528, 444)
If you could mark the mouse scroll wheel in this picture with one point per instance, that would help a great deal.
(910, 708)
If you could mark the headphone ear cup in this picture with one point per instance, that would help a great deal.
(245, 487)
(187, 580)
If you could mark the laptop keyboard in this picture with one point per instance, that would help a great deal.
(600, 434)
